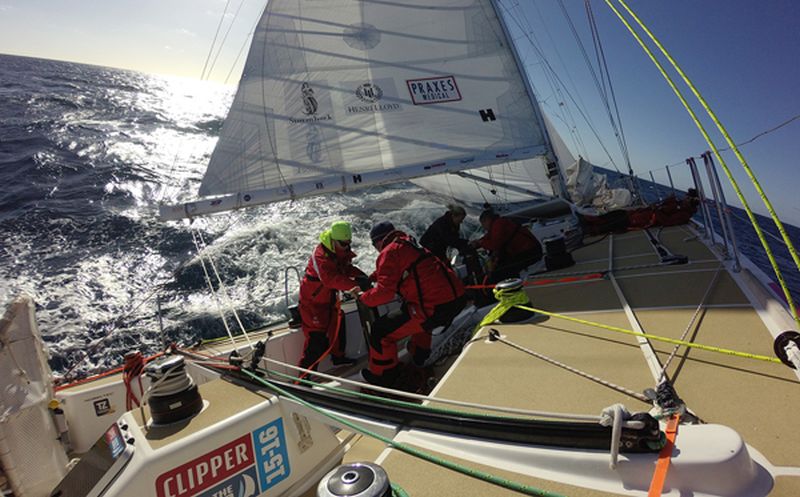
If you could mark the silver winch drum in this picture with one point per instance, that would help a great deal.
(510, 285)
(358, 479)
(174, 396)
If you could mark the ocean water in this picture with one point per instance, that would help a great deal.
(87, 153)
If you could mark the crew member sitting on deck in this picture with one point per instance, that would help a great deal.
(444, 232)
(431, 293)
(512, 246)
(329, 270)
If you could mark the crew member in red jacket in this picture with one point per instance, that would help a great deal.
(330, 270)
(432, 296)
(512, 246)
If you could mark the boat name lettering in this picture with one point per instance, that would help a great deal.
(467, 160)
(501, 155)
(433, 90)
(438, 164)
(207, 470)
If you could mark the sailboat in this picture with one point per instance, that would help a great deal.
(338, 95)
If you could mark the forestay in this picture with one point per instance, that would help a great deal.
(339, 94)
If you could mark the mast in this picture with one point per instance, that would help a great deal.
(553, 167)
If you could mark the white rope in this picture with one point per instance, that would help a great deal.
(167, 386)
(615, 415)
(224, 291)
(689, 326)
(588, 376)
(213, 292)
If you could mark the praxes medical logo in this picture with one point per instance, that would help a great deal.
(245, 467)
(433, 90)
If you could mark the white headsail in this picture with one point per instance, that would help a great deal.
(341, 94)
(510, 182)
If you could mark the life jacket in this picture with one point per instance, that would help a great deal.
(422, 279)
(326, 272)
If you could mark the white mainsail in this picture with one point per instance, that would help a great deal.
(341, 94)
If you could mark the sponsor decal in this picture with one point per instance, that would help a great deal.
(208, 470)
(433, 90)
(271, 454)
(487, 115)
(371, 93)
(310, 107)
(102, 407)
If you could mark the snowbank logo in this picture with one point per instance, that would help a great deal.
(309, 101)
(369, 93)
(433, 90)
(310, 104)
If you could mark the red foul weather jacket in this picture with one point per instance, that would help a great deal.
(507, 239)
(326, 273)
(421, 278)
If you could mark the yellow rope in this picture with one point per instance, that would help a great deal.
(739, 194)
(708, 348)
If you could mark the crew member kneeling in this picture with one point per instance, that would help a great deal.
(432, 295)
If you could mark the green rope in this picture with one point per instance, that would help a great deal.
(408, 449)
(392, 402)
(739, 194)
(398, 491)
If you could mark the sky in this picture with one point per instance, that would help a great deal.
(743, 55)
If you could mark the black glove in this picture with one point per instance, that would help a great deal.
(364, 283)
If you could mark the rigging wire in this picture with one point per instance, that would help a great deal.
(562, 109)
(600, 88)
(203, 74)
(225, 37)
(741, 144)
(555, 76)
(604, 70)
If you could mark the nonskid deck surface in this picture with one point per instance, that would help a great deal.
(755, 398)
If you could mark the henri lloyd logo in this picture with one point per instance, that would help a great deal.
(371, 94)
(433, 90)
(310, 107)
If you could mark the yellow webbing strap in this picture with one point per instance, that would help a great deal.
(739, 194)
